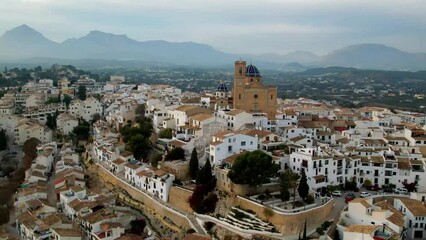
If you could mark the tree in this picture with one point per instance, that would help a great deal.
(411, 187)
(30, 151)
(202, 199)
(140, 112)
(96, 117)
(3, 139)
(53, 100)
(82, 132)
(367, 183)
(253, 168)
(193, 164)
(176, 154)
(166, 133)
(305, 231)
(290, 179)
(303, 188)
(67, 100)
(82, 91)
(51, 121)
(137, 226)
(204, 175)
(139, 146)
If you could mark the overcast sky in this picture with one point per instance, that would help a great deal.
(234, 26)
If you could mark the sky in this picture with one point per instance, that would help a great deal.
(232, 26)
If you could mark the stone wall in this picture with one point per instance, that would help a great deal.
(290, 223)
(145, 202)
(178, 197)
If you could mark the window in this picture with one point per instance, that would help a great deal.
(272, 96)
(243, 143)
(256, 96)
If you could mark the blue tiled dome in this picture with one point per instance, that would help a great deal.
(222, 87)
(252, 71)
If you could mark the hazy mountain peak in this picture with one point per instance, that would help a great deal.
(23, 31)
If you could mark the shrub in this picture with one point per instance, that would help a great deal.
(261, 197)
(326, 225)
(208, 225)
(320, 231)
(190, 231)
(310, 199)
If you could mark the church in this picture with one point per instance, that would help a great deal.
(249, 93)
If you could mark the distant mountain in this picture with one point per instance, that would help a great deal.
(375, 56)
(24, 43)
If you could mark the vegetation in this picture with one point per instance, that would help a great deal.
(165, 133)
(367, 183)
(139, 146)
(51, 100)
(30, 151)
(303, 188)
(137, 226)
(289, 179)
(51, 120)
(82, 131)
(204, 175)
(176, 154)
(3, 139)
(67, 100)
(137, 138)
(268, 212)
(203, 200)
(193, 164)
(155, 159)
(253, 168)
(411, 187)
(82, 92)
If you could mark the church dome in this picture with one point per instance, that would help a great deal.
(252, 71)
(222, 87)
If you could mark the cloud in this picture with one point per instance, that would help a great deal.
(237, 26)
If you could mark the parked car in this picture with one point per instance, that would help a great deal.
(374, 188)
(365, 194)
(401, 191)
(336, 193)
(349, 197)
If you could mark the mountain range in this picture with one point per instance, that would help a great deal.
(26, 44)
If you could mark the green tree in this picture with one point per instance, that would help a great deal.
(53, 100)
(290, 179)
(82, 132)
(204, 175)
(96, 117)
(367, 183)
(193, 164)
(140, 112)
(51, 120)
(303, 188)
(176, 154)
(82, 92)
(253, 168)
(67, 100)
(3, 139)
(139, 146)
(166, 133)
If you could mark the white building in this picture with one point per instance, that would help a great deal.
(85, 109)
(66, 123)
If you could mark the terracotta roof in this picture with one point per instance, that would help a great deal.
(108, 225)
(177, 143)
(404, 164)
(201, 116)
(196, 236)
(126, 154)
(118, 161)
(298, 138)
(216, 143)
(64, 232)
(414, 206)
(133, 166)
(235, 112)
(366, 229)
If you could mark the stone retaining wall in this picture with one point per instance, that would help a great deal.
(144, 202)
